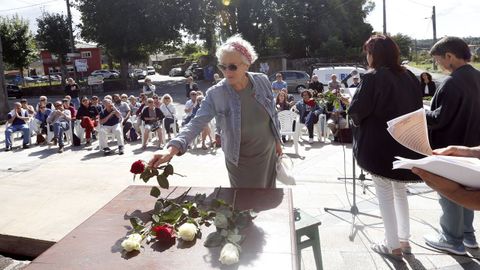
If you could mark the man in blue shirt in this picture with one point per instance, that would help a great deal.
(110, 123)
(279, 84)
(17, 119)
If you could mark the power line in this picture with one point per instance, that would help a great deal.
(29, 6)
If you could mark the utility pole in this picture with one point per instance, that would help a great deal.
(72, 43)
(384, 18)
(3, 91)
(434, 23)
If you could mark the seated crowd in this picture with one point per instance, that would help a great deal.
(122, 117)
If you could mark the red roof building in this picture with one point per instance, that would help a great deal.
(91, 53)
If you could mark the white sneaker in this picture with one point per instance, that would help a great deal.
(310, 140)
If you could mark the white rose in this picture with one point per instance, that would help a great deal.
(132, 242)
(229, 254)
(187, 231)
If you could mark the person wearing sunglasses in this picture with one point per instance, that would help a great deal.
(243, 105)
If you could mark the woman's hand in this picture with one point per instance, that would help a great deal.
(163, 157)
(456, 150)
(278, 148)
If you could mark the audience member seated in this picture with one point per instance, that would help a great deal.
(124, 109)
(315, 86)
(96, 103)
(87, 114)
(189, 106)
(17, 119)
(134, 105)
(60, 119)
(169, 112)
(40, 122)
(333, 84)
(336, 114)
(110, 123)
(290, 97)
(152, 117)
(44, 100)
(281, 102)
(206, 132)
(157, 101)
(309, 112)
(29, 108)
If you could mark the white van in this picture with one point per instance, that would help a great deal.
(325, 73)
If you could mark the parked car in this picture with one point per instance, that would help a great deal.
(151, 70)
(13, 91)
(176, 71)
(115, 72)
(296, 80)
(107, 74)
(325, 73)
(195, 71)
(139, 74)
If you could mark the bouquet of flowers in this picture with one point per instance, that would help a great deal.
(183, 219)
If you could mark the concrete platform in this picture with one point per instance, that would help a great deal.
(44, 195)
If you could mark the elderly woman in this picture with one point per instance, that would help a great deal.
(148, 88)
(170, 113)
(151, 116)
(243, 105)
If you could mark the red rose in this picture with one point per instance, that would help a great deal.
(311, 102)
(165, 234)
(137, 167)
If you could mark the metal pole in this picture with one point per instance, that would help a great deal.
(384, 18)
(434, 23)
(72, 43)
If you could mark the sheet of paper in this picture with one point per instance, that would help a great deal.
(410, 130)
(463, 170)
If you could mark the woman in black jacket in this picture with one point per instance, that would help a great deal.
(427, 86)
(387, 91)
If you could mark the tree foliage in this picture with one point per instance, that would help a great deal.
(404, 43)
(18, 43)
(53, 35)
(131, 30)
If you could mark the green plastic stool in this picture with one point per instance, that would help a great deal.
(306, 225)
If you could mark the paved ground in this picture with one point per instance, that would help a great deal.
(45, 195)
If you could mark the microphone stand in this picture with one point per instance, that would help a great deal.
(354, 208)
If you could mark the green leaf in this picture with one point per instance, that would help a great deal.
(214, 239)
(162, 181)
(155, 192)
(243, 219)
(137, 224)
(168, 170)
(145, 175)
(154, 172)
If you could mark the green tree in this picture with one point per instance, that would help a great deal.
(18, 43)
(131, 30)
(52, 35)
(404, 43)
(4, 108)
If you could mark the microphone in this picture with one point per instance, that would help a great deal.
(353, 73)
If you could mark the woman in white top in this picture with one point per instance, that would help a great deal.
(149, 88)
(170, 113)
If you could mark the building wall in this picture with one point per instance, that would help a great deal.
(51, 64)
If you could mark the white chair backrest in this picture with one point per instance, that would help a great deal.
(286, 119)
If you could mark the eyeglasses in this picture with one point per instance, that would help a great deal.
(42, 107)
(231, 67)
(193, 94)
(166, 98)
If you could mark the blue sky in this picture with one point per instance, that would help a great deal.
(410, 17)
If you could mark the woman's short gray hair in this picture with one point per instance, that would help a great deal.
(236, 43)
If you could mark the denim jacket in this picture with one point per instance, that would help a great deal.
(223, 102)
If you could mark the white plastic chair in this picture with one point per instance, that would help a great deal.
(151, 134)
(198, 139)
(287, 118)
(320, 129)
(173, 126)
(50, 134)
(79, 131)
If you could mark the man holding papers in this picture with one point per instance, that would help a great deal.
(453, 120)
